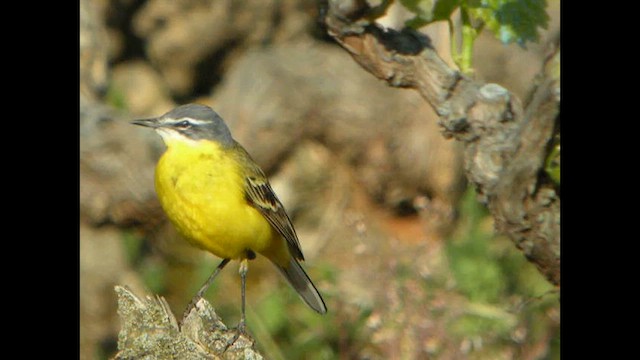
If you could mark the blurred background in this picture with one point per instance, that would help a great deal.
(396, 242)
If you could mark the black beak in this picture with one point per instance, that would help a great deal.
(152, 123)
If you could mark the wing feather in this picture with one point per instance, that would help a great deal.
(261, 196)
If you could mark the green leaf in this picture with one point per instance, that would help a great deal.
(511, 20)
(428, 11)
(422, 9)
(444, 8)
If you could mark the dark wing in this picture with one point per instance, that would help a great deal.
(261, 196)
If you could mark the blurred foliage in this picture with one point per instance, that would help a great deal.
(486, 266)
(475, 270)
(116, 97)
(504, 291)
(152, 270)
(132, 244)
(153, 275)
(428, 11)
(286, 330)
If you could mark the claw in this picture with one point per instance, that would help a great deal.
(190, 307)
(241, 329)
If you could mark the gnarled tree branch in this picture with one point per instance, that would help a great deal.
(505, 143)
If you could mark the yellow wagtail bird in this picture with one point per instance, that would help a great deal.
(220, 200)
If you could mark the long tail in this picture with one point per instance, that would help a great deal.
(300, 281)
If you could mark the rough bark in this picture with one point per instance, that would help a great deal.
(150, 331)
(505, 143)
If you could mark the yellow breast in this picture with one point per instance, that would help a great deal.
(202, 192)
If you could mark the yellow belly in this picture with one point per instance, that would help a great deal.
(202, 193)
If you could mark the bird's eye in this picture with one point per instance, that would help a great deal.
(184, 124)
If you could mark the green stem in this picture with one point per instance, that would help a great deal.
(469, 35)
(453, 39)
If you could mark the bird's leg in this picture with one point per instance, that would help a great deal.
(203, 289)
(244, 267)
(242, 328)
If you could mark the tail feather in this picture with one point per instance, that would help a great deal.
(300, 281)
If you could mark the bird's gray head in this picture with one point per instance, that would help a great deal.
(192, 121)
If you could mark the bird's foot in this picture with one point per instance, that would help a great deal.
(240, 330)
(190, 307)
